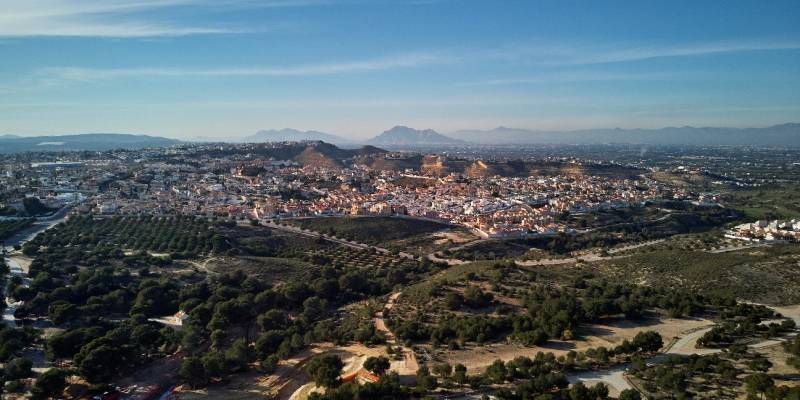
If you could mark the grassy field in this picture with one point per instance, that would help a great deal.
(766, 203)
(765, 274)
(270, 269)
(404, 234)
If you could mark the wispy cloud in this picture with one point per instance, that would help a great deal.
(567, 77)
(113, 18)
(71, 74)
(554, 54)
(131, 18)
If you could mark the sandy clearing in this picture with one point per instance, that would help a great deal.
(792, 312)
(607, 334)
(353, 357)
(456, 236)
(613, 377)
(780, 371)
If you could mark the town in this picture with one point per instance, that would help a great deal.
(244, 186)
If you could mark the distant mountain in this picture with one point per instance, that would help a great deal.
(88, 141)
(777, 135)
(9, 137)
(292, 135)
(405, 136)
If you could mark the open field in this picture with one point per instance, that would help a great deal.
(764, 274)
(607, 334)
(766, 203)
(393, 233)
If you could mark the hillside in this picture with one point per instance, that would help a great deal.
(89, 141)
(440, 165)
(293, 135)
(317, 153)
(405, 136)
(776, 135)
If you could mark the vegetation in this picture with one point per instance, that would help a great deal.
(371, 230)
(181, 236)
(9, 228)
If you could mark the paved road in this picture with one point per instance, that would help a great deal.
(686, 345)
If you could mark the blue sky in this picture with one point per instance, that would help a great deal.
(226, 68)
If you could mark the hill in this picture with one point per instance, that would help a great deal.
(293, 135)
(776, 135)
(405, 136)
(309, 153)
(442, 165)
(88, 141)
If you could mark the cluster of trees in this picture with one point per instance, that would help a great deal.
(679, 376)
(744, 321)
(674, 375)
(9, 228)
(72, 296)
(552, 312)
(542, 375)
(236, 321)
(179, 235)
(33, 207)
(13, 340)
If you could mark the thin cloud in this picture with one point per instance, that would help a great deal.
(112, 18)
(70, 74)
(571, 77)
(554, 54)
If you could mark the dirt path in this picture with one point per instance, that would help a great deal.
(408, 365)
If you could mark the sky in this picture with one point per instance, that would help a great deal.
(194, 69)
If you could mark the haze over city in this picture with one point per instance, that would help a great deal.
(200, 69)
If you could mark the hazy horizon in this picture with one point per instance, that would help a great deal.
(190, 69)
(239, 137)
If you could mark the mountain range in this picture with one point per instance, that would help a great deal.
(402, 136)
(405, 136)
(293, 135)
(87, 141)
(776, 135)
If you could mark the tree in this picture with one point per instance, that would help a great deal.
(192, 371)
(238, 355)
(51, 383)
(425, 380)
(325, 370)
(18, 368)
(444, 370)
(214, 365)
(377, 365)
(648, 341)
(630, 394)
(460, 374)
(598, 391)
(579, 391)
(497, 371)
(453, 301)
(758, 383)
